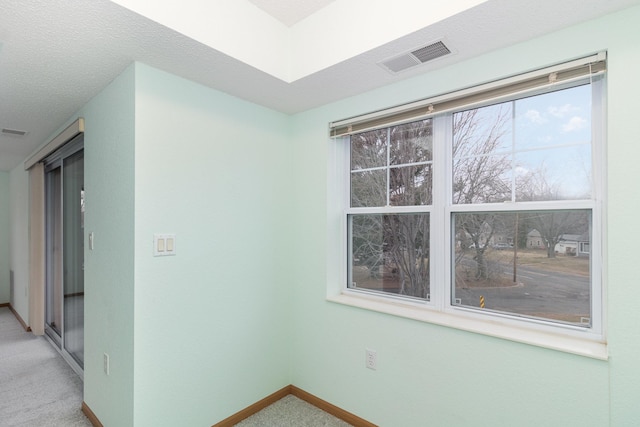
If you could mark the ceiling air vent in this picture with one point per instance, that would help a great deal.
(13, 132)
(416, 57)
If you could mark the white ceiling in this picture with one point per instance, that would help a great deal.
(55, 55)
(290, 12)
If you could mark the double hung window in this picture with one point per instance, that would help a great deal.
(389, 226)
(484, 203)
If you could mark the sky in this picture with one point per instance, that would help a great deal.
(549, 134)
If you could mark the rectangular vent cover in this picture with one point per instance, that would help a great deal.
(416, 57)
(433, 51)
(13, 132)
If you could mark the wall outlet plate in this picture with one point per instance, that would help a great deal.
(371, 360)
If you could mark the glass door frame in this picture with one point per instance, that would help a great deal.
(55, 276)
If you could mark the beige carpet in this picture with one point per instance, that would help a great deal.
(292, 412)
(37, 387)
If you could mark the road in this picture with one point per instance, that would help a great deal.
(538, 293)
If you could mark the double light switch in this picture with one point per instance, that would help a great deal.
(164, 244)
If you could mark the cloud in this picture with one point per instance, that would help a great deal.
(535, 117)
(575, 123)
(561, 111)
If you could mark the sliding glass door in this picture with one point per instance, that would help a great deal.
(64, 204)
(53, 227)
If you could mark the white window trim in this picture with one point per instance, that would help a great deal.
(562, 337)
(570, 341)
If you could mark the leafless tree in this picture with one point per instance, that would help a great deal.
(479, 174)
(552, 225)
(393, 166)
(478, 167)
(479, 171)
(477, 229)
(534, 186)
(409, 249)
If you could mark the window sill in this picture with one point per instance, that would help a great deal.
(568, 343)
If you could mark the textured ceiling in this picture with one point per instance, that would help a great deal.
(290, 12)
(55, 55)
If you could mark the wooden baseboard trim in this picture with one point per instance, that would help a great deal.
(95, 422)
(337, 412)
(256, 407)
(22, 322)
(5, 304)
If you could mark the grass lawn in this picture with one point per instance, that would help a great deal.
(538, 258)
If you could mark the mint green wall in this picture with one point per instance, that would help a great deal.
(624, 204)
(240, 311)
(19, 241)
(211, 323)
(4, 237)
(431, 375)
(109, 268)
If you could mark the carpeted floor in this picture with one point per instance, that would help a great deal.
(292, 412)
(37, 387)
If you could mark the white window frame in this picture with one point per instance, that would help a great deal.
(438, 310)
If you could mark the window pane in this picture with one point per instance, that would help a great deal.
(369, 149)
(411, 143)
(554, 174)
(410, 185)
(531, 264)
(407, 159)
(483, 130)
(543, 141)
(390, 253)
(555, 118)
(369, 188)
(483, 179)
(482, 160)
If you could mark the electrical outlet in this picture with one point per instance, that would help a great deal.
(371, 360)
(105, 361)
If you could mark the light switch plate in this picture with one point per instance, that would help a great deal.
(164, 244)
